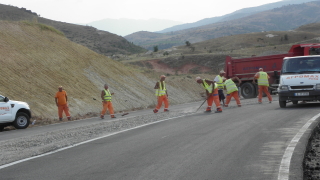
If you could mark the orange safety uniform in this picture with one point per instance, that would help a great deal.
(232, 91)
(62, 104)
(162, 97)
(212, 98)
(235, 95)
(263, 87)
(107, 104)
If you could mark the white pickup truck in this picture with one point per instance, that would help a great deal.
(14, 113)
(299, 80)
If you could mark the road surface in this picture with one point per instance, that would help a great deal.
(241, 143)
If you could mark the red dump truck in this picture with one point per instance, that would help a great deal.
(245, 68)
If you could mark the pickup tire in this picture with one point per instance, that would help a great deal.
(294, 102)
(1, 128)
(248, 90)
(282, 104)
(22, 121)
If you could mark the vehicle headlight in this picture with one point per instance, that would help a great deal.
(317, 86)
(284, 88)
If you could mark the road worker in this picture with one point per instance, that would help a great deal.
(61, 99)
(162, 94)
(232, 90)
(263, 84)
(212, 93)
(106, 102)
(219, 80)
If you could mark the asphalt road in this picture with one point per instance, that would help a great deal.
(241, 143)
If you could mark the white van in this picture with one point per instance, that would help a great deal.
(14, 113)
(299, 80)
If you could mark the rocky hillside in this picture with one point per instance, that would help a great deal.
(99, 41)
(36, 59)
(279, 19)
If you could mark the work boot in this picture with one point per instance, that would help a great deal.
(69, 118)
(60, 119)
(207, 111)
(219, 110)
(166, 110)
(155, 110)
(112, 116)
(102, 117)
(239, 105)
(225, 105)
(270, 101)
(260, 102)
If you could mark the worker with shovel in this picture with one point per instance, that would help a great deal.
(162, 94)
(232, 90)
(212, 93)
(106, 102)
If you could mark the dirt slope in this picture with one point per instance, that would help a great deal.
(99, 41)
(35, 60)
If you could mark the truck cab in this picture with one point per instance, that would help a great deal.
(16, 113)
(299, 80)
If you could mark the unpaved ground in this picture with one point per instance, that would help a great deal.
(311, 163)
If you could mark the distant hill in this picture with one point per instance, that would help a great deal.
(123, 27)
(209, 56)
(99, 41)
(235, 15)
(36, 59)
(278, 19)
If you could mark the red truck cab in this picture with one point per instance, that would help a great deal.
(246, 68)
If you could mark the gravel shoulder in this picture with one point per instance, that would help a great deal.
(311, 162)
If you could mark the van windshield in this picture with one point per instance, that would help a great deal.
(301, 65)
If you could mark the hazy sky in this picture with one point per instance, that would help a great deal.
(85, 11)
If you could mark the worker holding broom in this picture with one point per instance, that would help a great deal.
(106, 102)
(212, 93)
(162, 94)
(232, 90)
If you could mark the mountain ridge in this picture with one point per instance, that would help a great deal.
(234, 15)
(279, 19)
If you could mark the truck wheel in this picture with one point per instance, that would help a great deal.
(294, 102)
(1, 128)
(248, 90)
(22, 121)
(282, 104)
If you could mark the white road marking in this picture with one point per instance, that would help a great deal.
(286, 159)
(84, 142)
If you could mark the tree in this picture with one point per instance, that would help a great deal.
(188, 43)
(155, 49)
